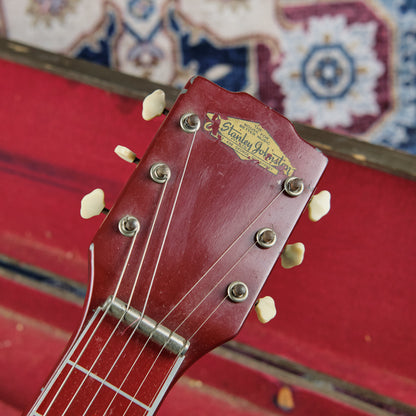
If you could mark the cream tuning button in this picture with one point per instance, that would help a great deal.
(92, 204)
(154, 105)
(319, 205)
(292, 255)
(265, 309)
(126, 154)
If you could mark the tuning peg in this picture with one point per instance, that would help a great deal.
(319, 205)
(292, 255)
(265, 309)
(126, 154)
(93, 204)
(154, 105)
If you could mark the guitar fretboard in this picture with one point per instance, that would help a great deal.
(110, 369)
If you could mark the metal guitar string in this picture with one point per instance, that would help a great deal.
(169, 222)
(147, 246)
(169, 370)
(95, 329)
(222, 256)
(131, 367)
(148, 294)
(175, 330)
(213, 288)
(177, 357)
(204, 322)
(105, 313)
(108, 306)
(127, 307)
(195, 308)
(160, 352)
(135, 282)
(112, 367)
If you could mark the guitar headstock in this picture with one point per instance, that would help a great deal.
(198, 227)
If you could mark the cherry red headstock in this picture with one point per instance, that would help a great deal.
(198, 229)
(181, 257)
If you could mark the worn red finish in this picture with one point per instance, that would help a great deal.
(197, 235)
(348, 310)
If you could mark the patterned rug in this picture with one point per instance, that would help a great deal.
(349, 66)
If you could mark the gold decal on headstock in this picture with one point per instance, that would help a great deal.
(250, 141)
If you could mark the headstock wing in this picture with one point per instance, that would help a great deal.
(198, 229)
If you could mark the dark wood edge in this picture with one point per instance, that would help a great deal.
(44, 281)
(332, 144)
(295, 374)
(82, 71)
(360, 152)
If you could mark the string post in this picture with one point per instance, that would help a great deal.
(190, 122)
(294, 186)
(266, 237)
(237, 291)
(160, 172)
(129, 226)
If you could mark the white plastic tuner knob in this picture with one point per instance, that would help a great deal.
(154, 105)
(292, 255)
(125, 154)
(319, 205)
(92, 204)
(265, 309)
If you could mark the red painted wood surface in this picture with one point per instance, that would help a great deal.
(207, 388)
(348, 310)
(200, 240)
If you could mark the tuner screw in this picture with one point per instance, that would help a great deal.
(266, 237)
(160, 172)
(129, 226)
(190, 122)
(293, 186)
(237, 291)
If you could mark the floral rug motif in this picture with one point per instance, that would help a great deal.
(348, 66)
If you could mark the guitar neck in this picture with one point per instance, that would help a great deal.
(92, 380)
